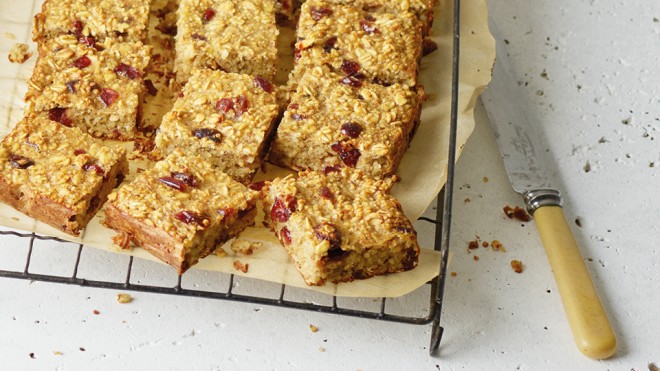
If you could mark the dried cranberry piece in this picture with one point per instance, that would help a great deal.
(404, 229)
(285, 235)
(20, 162)
(264, 84)
(94, 167)
(108, 96)
(77, 27)
(241, 105)
(82, 62)
(125, 70)
(369, 17)
(330, 169)
(208, 15)
(173, 182)
(351, 81)
(349, 155)
(294, 106)
(71, 86)
(328, 232)
(151, 89)
(210, 134)
(197, 36)
(258, 186)
(59, 114)
(298, 117)
(349, 67)
(379, 81)
(297, 54)
(319, 12)
(326, 193)
(282, 209)
(224, 105)
(79, 151)
(167, 29)
(189, 179)
(351, 129)
(329, 44)
(88, 40)
(369, 27)
(189, 217)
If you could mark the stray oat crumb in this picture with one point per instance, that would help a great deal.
(244, 247)
(475, 258)
(313, 328)
(484, 244)
(123, 298)
(454, 274)
(14, 218)
(96, 312)
(517, 213)
(497, 246)
(321, 349)
(517, 266)
(240, 266)
(220, 252)
(57, 353)
(19, 53)
(467, 200)
(10, 36)
(485, 179)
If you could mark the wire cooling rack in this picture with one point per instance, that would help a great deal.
(23, 261)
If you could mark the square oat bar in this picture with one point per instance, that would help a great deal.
(225, 118)
(340, 226)
(422, 9)
(97, 91)
(381, 47)
(180, 210)
(58, 175)
(229, 35)
(92, 21)
(330, 124)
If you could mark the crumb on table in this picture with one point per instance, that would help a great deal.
(517, 266)
(123, 298)
(240, 266)
(19, 53)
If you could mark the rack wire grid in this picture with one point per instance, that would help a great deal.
(340, 306)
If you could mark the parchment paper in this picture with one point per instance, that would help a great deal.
(423, 170)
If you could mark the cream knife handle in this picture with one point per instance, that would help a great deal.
(591, 328)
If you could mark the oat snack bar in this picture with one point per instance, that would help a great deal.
(225, 118)
(92, 21)
(382, 47)
(229, 35)
(180, 210)
(331, 124)
(340, 226)
(97, 91)
(58, 175)
(422, 9)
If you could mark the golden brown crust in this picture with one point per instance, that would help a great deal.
(340, 226)
(58, 175)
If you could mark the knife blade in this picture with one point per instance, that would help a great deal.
(526, 167)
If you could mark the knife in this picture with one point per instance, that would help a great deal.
(526, 168)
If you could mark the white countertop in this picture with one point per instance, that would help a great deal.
(590, 70)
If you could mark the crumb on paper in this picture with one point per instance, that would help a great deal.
(497, 246)
(454, 274)
(517, 213)
(313, 328)
(220, 252)
(240, 266)
(57, 353)
(467, 200)
(123, 298)
(475, 258)
(96, 312)
(19, 53)
(473, 245)
(517, 266)
(14, 218)
(484, 244)
(321, 349)
(485, 179)
(244, 247)
(10, 36)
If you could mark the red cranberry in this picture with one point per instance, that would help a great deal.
(108, 96)
(224, 105)
(350, 68)
(20, 162)
(71, 86)
(79, 151)
(173, 182)
(208, 15)
(227, 212)
(186, 178)
(59, 114)
(351, 81)
(369, 27)
(88, 40)
(189, 217)
(264, 84)
(319, 12)
(82, 62)
(285, 235)
(326, 193)
(241, 105)
(329, 44)
(77, 28)
(293, 106)
(151, 89)
(210, 134)
(94, 167)
(282, 209)
(349, 155)
(330, 169)
(328, 232)
(125, 70)
(351, 129)
(197, 36)
(258, 186)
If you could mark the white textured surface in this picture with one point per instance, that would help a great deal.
(600, 82)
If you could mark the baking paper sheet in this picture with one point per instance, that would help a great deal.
(422, 172)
